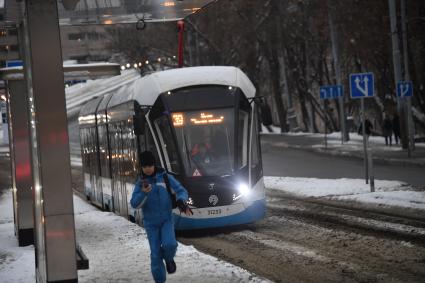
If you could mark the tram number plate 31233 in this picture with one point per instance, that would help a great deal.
(214, 211)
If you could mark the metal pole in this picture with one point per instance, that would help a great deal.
(180, 26)
(407, 77)
(371, 172)
(397, 73)
(21, 162)
(326, 126)
(335, 54)
(365, 161)
(55, 245)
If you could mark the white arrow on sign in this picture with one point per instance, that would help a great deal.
(364, 90)
(404, 89)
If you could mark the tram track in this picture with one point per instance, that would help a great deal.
(309, 242)
(348, 218)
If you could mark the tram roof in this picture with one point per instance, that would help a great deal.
(147, 89)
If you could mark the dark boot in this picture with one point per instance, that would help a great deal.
(171, 266)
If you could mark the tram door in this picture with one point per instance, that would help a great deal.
(95, 194)
(143, 140)
(118, 185)
(130, 158)
(97, 182)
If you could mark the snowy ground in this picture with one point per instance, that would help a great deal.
(387, 193)
(334, 139)
(118, 251)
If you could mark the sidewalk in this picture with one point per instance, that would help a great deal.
(353, 148)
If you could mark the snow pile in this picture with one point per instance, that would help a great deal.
(389, 193)
(118, 251)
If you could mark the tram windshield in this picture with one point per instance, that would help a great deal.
(206, 141)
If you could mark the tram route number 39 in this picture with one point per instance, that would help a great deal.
(214, 211)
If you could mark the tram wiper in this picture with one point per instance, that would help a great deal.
(186, 149)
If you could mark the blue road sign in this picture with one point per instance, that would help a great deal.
(362, 85)
(404, 89)
(14, 63)
(331, 91)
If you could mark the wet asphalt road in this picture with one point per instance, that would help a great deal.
(288, 162)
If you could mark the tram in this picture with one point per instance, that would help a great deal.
(202, 125)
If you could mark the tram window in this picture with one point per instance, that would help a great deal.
(114, 149)
(146, 142)
(255, 150)
(243, 128)
(206, 141)
(167, 142)
(127, 152)
(133, 153)
(103, 150)
(83, 140)
(94, 150)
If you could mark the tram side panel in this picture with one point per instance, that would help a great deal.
(144, 141)
(114, 137)
(131, 161)
(95, 172)
(104, 152)
(85, 153)
(89, 138)
(105, 177)
(124, 156)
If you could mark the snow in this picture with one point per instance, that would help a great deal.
(117, 249)
(334, 140)
(12, 257)
(79, 94)
(387, 193)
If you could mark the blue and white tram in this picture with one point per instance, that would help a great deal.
(202, 125)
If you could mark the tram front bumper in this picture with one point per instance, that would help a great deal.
(211, 217)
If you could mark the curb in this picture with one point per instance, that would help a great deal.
(377, 160)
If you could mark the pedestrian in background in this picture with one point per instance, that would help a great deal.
(368, 128)
(152, 192)
(396, 128)
(387, 130)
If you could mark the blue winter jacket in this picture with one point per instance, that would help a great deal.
(156, 204)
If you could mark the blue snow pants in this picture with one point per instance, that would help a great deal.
(163, 245)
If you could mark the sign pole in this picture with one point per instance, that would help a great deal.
(411, 127)
(410, 123)
(371, 175)
(365, 161)
(326, 126)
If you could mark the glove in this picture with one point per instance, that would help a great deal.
(181, 204)
(183, 207)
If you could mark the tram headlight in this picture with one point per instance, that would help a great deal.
(243, 189)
